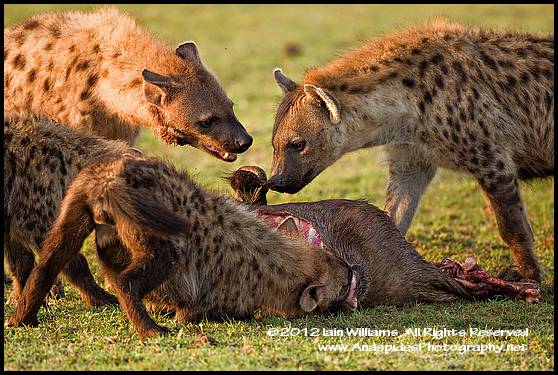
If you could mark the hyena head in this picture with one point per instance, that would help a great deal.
(306, 135)
(191, 108)
(334, 288)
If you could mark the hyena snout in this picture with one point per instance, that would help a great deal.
(283, 184)
(225, 140)
(276, 183)
(291, 173)
(235, 138)
(243, 143)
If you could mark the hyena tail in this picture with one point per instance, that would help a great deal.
(130, 208)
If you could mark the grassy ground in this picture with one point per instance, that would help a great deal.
(242, 44)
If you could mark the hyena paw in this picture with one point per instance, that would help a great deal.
(15, 322)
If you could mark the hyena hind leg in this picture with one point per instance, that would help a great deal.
(514, 226)
(21, 260)
(79, 275)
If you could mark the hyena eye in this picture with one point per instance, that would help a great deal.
(208, 122)
(297, 145)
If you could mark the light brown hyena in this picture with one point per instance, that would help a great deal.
(41, 158)
(102, 72)
(440, 96)
(185, 249)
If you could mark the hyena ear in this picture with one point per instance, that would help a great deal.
(288, 227)
(310, 297)
(189, 51)
(283, 81)
(329, 100)
(155, 87)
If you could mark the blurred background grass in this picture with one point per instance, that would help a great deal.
(242, 44)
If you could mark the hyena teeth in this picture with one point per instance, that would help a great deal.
(229, 156)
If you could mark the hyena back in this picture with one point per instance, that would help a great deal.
(183, 249)
(40, 160)
(100, 71)
(445, 96)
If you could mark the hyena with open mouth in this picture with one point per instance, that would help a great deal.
(442, 96)
(100, 71)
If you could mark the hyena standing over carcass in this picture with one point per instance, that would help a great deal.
(101, 72)
(439, 96)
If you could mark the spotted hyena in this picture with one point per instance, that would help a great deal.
(102, 72)
(443, 95)
(185, 249)
(40, 160)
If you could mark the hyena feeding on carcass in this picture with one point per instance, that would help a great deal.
(163, 239)
(444, 96)
(41, 158)
(102, 72)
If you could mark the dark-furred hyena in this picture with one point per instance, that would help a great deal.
(439, 96)
(41, 158)
(185, 249)
(102, 72)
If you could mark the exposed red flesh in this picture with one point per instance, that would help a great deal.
(481, 284)
(305, 229)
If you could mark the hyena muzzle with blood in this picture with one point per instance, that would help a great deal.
(441, 96)
(102, 72)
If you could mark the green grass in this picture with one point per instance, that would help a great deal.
(242, 44)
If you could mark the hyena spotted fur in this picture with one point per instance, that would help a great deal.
(102, 72)
(443, 95)
(183, 249)
(41, 158)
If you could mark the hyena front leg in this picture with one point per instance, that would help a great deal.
(409, 176)
(513, 224)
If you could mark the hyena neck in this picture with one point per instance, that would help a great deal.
(380, 117)
(130, 108)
